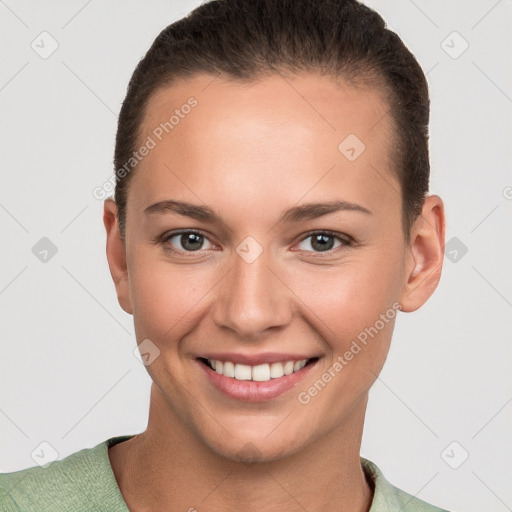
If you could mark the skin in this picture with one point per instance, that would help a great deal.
(250, 152)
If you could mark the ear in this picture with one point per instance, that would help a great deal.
(116, 255)
(424, 255)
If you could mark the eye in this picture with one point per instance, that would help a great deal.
(190, 241)
(324, 241)
(186, 240)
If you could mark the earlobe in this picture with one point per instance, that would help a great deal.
(425, 255)
(116, 255)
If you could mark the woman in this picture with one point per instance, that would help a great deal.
(270, 219)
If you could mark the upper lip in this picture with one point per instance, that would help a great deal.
(256, 359)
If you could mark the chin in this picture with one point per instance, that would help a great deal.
(254, 449)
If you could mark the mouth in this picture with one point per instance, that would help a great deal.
(258, 373)
(255, 383)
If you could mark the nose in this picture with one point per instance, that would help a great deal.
(252, 299)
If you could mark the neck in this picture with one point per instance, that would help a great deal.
(168, 468)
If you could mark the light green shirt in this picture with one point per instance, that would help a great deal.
(84, 482)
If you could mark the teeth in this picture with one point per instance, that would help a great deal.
(242, 372)
(229, 369)
(276, 370)
(288, 367)
(259, 373)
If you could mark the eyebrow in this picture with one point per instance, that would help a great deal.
(303, 212)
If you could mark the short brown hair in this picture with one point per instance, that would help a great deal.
(247, 39)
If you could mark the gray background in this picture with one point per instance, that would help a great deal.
(68, 375)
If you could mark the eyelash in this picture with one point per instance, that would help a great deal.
(346, 241)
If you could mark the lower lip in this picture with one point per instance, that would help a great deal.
(254, 391)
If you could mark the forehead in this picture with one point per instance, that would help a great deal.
(279, 139)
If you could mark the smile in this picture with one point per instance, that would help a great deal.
(255, 383)
(260, 373)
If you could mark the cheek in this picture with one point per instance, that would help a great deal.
(345, 307)
(346, 302)
(165, 297)
(339, 302)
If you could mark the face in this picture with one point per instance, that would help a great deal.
(263, 230)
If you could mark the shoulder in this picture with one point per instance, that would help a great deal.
(387, 497)
(83, 480)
